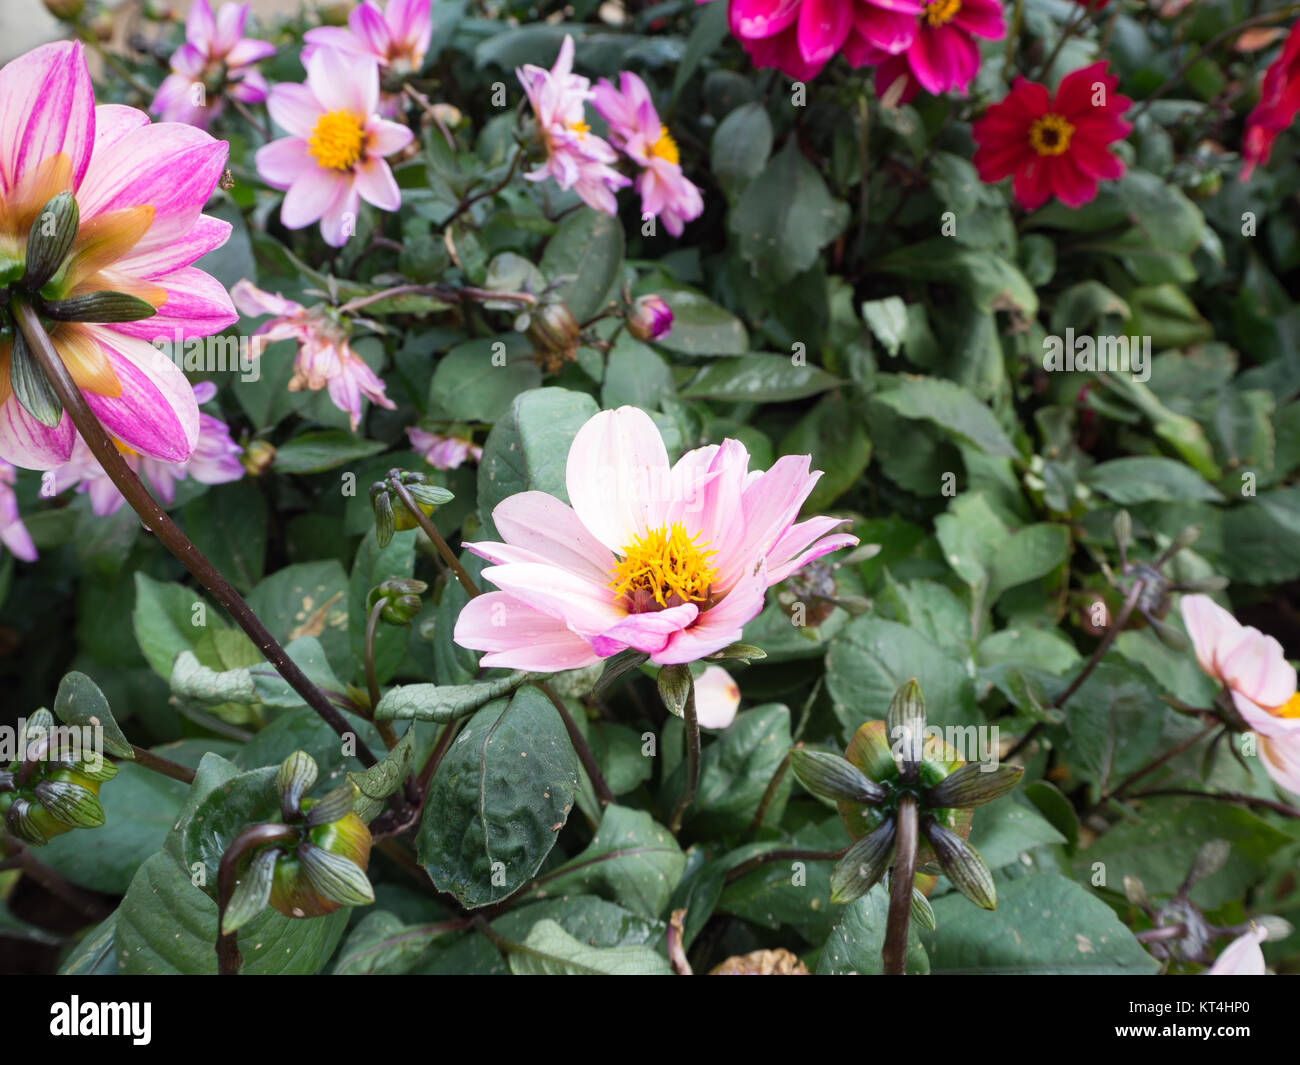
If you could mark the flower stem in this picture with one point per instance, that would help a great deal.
(155, 519)
(228, 959)
(894, 953)
(692, 723)
(770, 791)
(431, 531)
(793, 855)
(1233, 797)
(1155, 764)
(580, 745)
(165, 766)
(385, 728)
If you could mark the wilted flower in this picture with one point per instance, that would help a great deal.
(216, 59)
(634, 127)
(717, 696)
(13, 533)
(443, 452)
(1279, 101)
(672, 561)
(334, 155)
(1252, 667)
(1054, 145)
(215, 460)
(139, 190)
(575, 157)
(396, 37)
(325, 359)
(651, 318)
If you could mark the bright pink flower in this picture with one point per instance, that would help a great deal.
(216, 58)
(799, 37)
(1054, 146)
(575, 157)
(717, 696)
(334, 155)
(141, 190)
(13, 533)
(325, 359)
(1261, 681)
(1279, 101)
(672, 560)
(396, 37)
(215, 460)
(635, 128)
(651, 318)
(943, 56)
(443, 452)
(1241, 957)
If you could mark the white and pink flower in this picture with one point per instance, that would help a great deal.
(334, 156)
(216, 58)
(671, 560)
(325, 358)
(396, 37)
(13, 533)
(1241, 957)
(140, 188)
(635, 129)
(575, 157)
(443, 452)
(717, 698)
(1262, 683)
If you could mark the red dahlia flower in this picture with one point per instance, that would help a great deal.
(1279, 100)
(1054, 146)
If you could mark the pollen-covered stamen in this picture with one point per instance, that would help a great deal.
(665, 147)
(664, 567)
(941, 12)
(1290, 708)
(336, 140)
(1050, 135)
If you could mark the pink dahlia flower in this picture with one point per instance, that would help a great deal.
(443, 452)
(575, 157)
(140, 189)
(217, 59)
(325, 359)
(635, 128)
(1252, 667)
(215, 460)
(943, 55)
(13, 533)
(396, 37)
(334, 155)
(672, 560)
(799, 37)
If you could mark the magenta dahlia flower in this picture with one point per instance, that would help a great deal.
(216, 57)
(140, 188)
(325, 359)
(943, 56)
(799, 37)
(672, 560)
(575, 157)
(13, 533)
(443, 452)
(635, 129)
(215, 460)
(396, 37)
(334, 155)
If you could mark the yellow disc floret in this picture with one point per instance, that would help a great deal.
(665, 147)
(664, 566)
(1290, 708)
(941, 12)
(336, 140)
(1050, 135)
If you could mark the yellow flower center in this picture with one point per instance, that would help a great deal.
(580, 128)
(336, 140)
(665, 147)
(664, 566)
(941, 12)
(1050, 135)
(1290, 708)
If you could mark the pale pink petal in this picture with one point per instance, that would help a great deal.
(1256, 667)
(717, 697)
(587, 607)
(1242, 957)
(27, 443)
(255, 302)
(295, 109)
(648, 632)
(720, 625)
(542, 524)
(1210, 627)
(343, 82)
(804, 542)
(340, 219)
(197, 305)
(115, 121)
(311, 195)
(200, 27)
(384, 137)
(249, 51)
(518, 637)
(1282, 760)
(282, 162)
(207, 234)
(46, 107)
(376, 185)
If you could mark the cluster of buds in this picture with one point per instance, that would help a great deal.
(1180, 932)
(401, 599)
(50, 790)
(309, 865)
(391, 513)
(885, 761)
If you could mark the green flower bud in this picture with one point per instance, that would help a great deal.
(296, 777)
(381, 503)
(258, 456)
(252, 891)
(401, 598)
(67, 10)
(674, 688)
(308, 884)
(554, 333)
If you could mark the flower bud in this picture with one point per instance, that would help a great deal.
(553, 332)
(401, 598)
(314, 879)
(675, 688)
(258, 456)
(381, 503)
(650, 318)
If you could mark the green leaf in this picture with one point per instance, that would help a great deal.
(887, 319)
(758, 378)
(498, 800)
(786, 216)
(854, 945)
(1044, 924)
(741, 144)
(318, 450)
(588, 248)
(169, 619)
(242, 800)
(380, 943)
(951, 408)
(375, 784)
(550, 951)
(443, 703)
(307, 599)
(79, 702)
(1027, 554)
(632, 859)
(701, 327)
(834, 435)
(1114, 721)
(478, 380)
(1142, 479)
(991, 282)
(635, 375)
